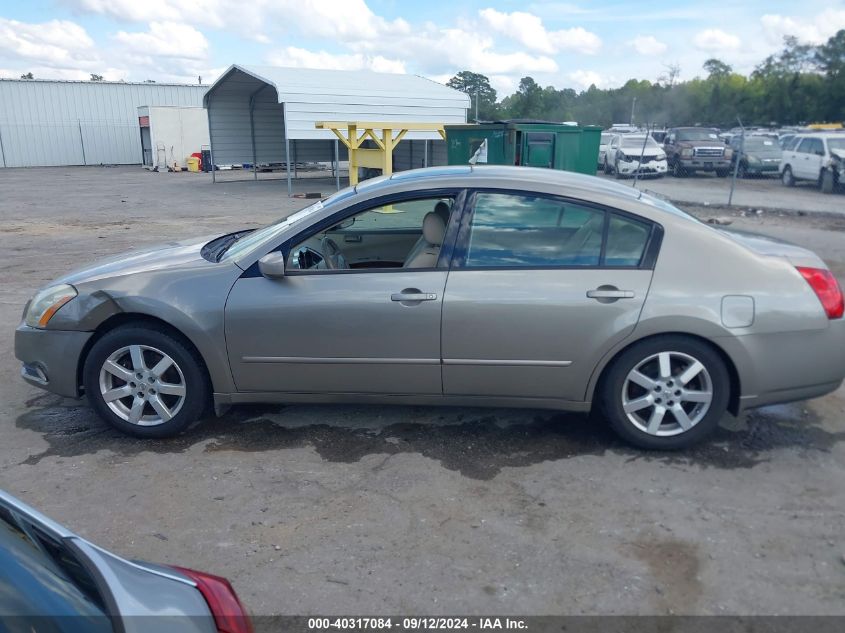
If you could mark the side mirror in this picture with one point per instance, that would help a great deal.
(272, 265)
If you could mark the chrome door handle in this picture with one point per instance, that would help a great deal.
(610, 294)
(413, 296)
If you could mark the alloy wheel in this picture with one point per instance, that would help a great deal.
(142, 385)
(667, 394)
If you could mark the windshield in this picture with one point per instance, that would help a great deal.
(697, 135)
(837, 144)
(637, 141)
(758, 144)
(250, 240)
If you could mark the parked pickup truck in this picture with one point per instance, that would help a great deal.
(691, 149)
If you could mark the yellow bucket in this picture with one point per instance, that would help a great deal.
(193, 163)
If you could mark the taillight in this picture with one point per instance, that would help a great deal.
(229, 614)
(827, 289)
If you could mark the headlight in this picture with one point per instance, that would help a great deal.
(661, 156)
(686, 152)
(753, 159)
(46, 303)
(728, 152)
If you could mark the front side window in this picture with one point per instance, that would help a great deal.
(406, 234)
(509, 230)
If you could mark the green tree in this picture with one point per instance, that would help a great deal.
(27, 76)
(478, 87)
(96, 77)
(830, 59)
(717, 68)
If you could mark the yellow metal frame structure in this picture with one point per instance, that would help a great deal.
(353, 133)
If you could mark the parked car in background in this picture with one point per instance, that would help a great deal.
(603, 143)
(463, 285)
(691, 149)
(756, 155)
(817, 157)
(624, 154)
(659, 135)
(54, 580)
(623, 128)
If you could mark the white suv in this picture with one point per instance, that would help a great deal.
(816, 157)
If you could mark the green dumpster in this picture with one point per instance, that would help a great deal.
(528, 143)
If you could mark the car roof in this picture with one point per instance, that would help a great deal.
(492, 176)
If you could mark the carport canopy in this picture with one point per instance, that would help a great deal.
(254, 112)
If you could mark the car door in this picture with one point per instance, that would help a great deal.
(536, 294)
(368, 329)
(804, 159)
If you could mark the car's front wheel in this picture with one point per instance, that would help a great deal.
(678, 170)
(144, 382)
(666, 393)
(827, 182)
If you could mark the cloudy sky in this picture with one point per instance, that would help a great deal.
(558, 43)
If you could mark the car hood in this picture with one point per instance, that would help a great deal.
(773, 247)
(169, 255)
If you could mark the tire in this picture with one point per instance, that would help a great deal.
(164, 400)
(787, 178)
(678, 170)
(618, 175)
(607, 169)
(702, 418)
(827, 183)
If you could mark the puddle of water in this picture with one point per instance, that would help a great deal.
(478, 443)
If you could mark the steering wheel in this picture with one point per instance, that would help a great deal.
(332, 255)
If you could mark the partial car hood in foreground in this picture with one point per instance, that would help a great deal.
(168, 255)
(773, 247)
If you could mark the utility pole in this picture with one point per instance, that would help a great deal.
(633, 105)
(736, 161)
(476, 104)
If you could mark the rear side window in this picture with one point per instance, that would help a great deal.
(626, 241)
(518, 231)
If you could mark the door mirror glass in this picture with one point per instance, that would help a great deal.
(272, 265)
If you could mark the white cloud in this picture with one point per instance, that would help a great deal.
(54, 43)
(648, 45)
(166, 39)
(583, 79)
(815, 30)
(341, 20)
(302, 58)
(715, 41)
(528, 30)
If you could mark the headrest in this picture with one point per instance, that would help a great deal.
(442, 209)
(434, 228)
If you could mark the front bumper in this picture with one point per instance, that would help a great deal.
(50, 358)
(650, 168)
(762, 168)
(705, 164)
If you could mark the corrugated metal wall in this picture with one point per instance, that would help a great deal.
(44, 123)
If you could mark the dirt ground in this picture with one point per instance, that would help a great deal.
(413, 510)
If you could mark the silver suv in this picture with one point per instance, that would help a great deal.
(819, 158)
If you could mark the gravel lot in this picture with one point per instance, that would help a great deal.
(412, 510)
(765, 192)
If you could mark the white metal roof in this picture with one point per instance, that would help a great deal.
(312, 95)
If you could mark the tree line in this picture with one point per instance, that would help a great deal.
(798, 85)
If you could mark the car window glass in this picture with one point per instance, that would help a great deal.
(806, 146)
(43, 575)
(817, 147)
(793, 143)
(510, 230)
(626, 241)
(385, 236)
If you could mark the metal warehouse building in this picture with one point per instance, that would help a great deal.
(45, 122)
(266, 115)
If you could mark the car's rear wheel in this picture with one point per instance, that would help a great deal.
(787, 178)
(616, 171)
(678, 170)
(607, 169)
(144, 382)
(666, 393)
